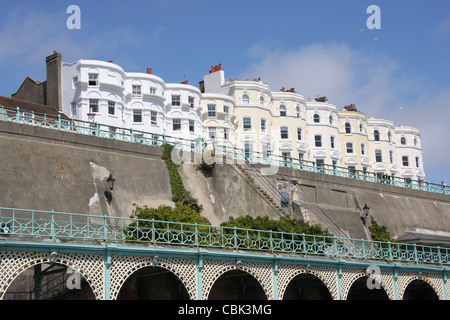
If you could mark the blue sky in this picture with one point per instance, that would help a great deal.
(400, 72)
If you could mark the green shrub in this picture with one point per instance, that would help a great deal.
(379, 233)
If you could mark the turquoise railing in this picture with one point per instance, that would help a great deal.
(225, 150)
(71, 226)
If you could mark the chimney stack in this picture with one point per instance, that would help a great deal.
(54, 81)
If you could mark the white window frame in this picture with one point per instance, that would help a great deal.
(111, 106)
(177, 123)
(211, 110)
(226, 110)
(244, 124)
(263, 123)
(137, 114)
(378, 154)
(73, 108)
(191, 101)
(316, 142)
(212, 132)
(245, 98)
(226, 133)
(176, 100)
(284, 131)
(282, 110)
(405, 161)
(299, 133)
(349, 148)
(136, 90)
(376, 135)
(94, 103)
(154, 117)
(93, 80)
(347, 127)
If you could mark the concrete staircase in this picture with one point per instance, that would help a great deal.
(263, 187)
(312, 214)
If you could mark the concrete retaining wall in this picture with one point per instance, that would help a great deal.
(46, 169)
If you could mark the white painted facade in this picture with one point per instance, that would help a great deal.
(409, 153)
(139, 101)
(323, 133)
(246, 115)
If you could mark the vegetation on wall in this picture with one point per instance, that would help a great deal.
(379, 233)
(284, 224)
(180, 195)
(181, 213)
(187, 210)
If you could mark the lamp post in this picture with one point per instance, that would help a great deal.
(110, 182)
(366, 209)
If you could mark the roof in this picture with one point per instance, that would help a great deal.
(11, 103)
(424, 239)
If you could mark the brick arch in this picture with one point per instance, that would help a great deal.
(13, 263)
(123, 267)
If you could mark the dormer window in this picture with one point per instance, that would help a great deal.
(137, 91)
(348, 127)
(176, 100)
(376, 135)
(403, 140)
(245, 99)
(93, 80)
(282, 111)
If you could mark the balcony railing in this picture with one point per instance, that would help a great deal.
(222, 149)
(70, 226)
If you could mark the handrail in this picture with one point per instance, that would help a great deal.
(83, 227)
(329, 221)
(148, 138)
(250, 165)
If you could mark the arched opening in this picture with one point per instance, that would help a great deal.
(153, 284)
(419, 290)
(361, 291)
(47, 281)
(307, 287)
(237, 285)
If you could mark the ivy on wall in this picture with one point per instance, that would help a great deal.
(180, 195)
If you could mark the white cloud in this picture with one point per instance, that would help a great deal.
(432, 116)
(334, 70)
(28, 36)
(372, 81)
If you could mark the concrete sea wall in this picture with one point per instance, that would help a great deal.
(46, 169)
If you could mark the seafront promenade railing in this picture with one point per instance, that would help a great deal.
(36, 224)
(222, 149)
